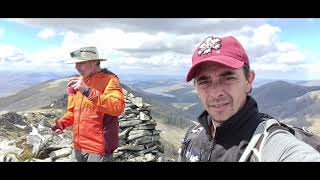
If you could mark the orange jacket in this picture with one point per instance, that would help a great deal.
(95, 117)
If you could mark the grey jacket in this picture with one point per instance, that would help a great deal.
(233, 136)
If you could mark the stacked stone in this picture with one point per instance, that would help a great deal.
(138, 137)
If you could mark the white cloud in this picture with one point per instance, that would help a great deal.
(10, 53)
(271, 67)
(46, 33)
(162, 44)
(264, 35)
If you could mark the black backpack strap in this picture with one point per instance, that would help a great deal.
(303, 134)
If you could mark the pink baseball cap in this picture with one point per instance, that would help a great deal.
(226, 50)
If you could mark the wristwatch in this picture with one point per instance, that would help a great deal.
(86, 92)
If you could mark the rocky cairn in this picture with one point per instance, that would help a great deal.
(138, 137)
(27, 137)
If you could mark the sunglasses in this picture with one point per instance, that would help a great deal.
(78, 53)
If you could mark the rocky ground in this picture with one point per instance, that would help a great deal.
(26, 136)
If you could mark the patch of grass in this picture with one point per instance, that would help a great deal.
(26, 154)
(315, 127)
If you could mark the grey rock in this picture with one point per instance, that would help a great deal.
(123, 119)
(127, 155)
(130, 96)
(59, 143)
(64, 159)
(160, 159)
(131, 147)
(145, 151)
(156, 132)
(161, 148)
(148, 145)
(130, 116)
(5, 148)
(127, 101)
(145, 139)
(124, 124)
(127, 110)
(137, 101)
(37, 143)
(145, 158)
(122, 115)
(122, 142)
(147, 105)
(14, 122)
(49, 159)
(124, 133)
(45, 123)
(117, 154)
(144, 117)
(144, 127)
(135, 112)
(145, 133)
(151, 122)
(134, 132)
(60, 153)
(8, 158)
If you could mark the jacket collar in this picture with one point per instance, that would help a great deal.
(248, 112)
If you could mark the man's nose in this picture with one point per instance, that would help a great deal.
(215, 89)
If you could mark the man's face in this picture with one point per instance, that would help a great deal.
(222, 90)
(85, 68)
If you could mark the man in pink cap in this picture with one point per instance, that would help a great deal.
(223, 81)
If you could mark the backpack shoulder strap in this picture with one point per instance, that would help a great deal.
(258, 139)
(188, 140)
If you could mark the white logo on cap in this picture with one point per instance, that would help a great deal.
(209, 44)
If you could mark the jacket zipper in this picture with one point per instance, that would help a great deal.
(79, 122)
(79, 119)
(213, 141)
(211, 149)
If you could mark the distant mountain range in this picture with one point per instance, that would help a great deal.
(174, 100)
(278, 93)
(34, 97)
(14, 81)
(52, 94)
(288, 101)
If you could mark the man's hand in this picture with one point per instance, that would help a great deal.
(78, 84)
(57, 127)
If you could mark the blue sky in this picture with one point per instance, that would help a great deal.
(25, 37)
(303, 32)
(146, 48)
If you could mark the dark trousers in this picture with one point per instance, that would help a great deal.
(78, 156)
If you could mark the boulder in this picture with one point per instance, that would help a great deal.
(124, 133)
(143, 134)
(124, 124)
(144, 117)
(137, 101)
(131, 147)
(144, 158)
(60, 153)
(144, 140)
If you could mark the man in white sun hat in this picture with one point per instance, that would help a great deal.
(94, 103)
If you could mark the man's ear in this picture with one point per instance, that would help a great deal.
(252, 75)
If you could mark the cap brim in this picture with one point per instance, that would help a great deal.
(74, 60)
(224, 60)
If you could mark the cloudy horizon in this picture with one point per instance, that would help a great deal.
(277, 48)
